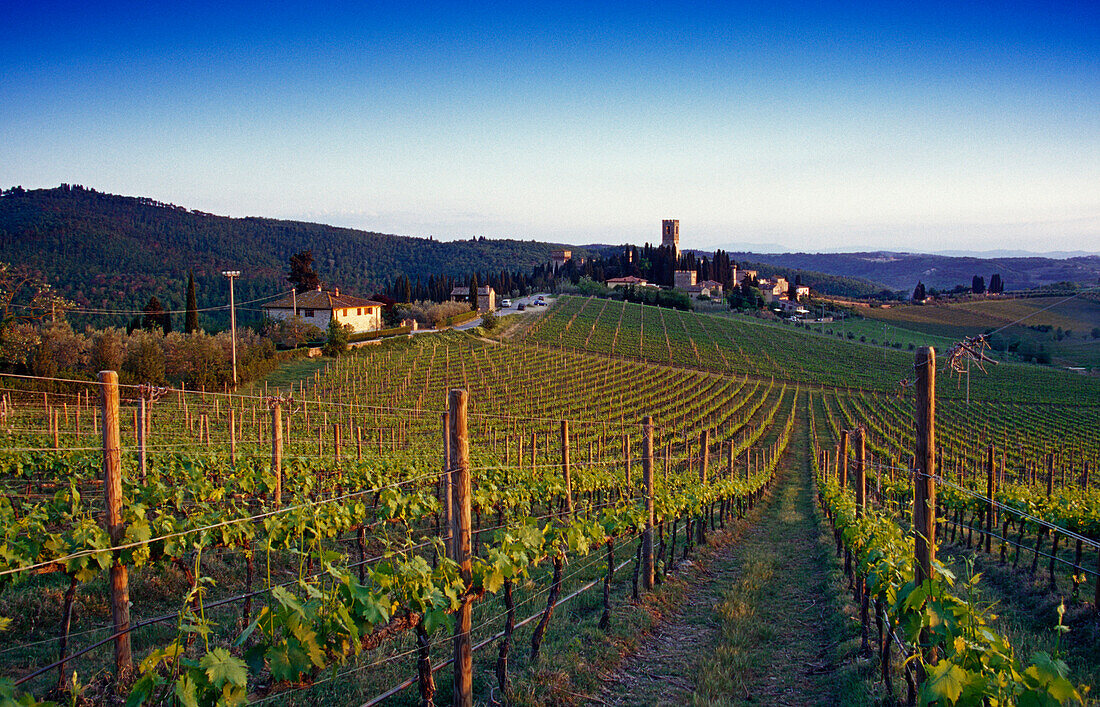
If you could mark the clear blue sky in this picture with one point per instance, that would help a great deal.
(955, 125)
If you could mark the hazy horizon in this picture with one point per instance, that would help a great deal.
(876, 126)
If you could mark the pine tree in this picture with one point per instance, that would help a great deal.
(301, 274)
(473, 292)
(191, 321)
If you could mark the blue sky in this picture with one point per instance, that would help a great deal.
(843, 125)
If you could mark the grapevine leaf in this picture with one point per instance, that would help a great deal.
(221, 667)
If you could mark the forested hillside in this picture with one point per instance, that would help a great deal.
(114, 252)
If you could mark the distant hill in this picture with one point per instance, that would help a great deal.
(901, 271)
(114, 252)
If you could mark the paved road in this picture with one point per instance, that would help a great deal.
(514, 309)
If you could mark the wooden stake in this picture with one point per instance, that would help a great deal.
(647, 481)
(233, 436)
(142, 417)
(924, 488)
(565, 467)
(112, 492)
(277, 450)
(861, 472)
(844, 459)
(460, 529)
(990, 490)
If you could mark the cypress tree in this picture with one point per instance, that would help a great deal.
(473, 292)
(191, 322)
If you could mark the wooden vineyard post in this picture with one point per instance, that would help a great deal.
(142, 437)
(460, 530)
(626, 458)
(358, 443)
(924, 488)
(647, 481)
(112, 492)
(1050, 474)
(861, 473)
(565, 468)
(277, 450)
(990, 490)
(233, 436)
(843, 454)
(447, 500)
(704, 461)
(861, 508)
(336, 442)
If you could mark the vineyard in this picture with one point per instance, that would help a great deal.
(427, 509)
(756, 348)
(330, 559)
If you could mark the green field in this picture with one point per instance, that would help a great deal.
(756, 347)
(955, 320)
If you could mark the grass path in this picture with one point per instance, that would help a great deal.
(760, 624)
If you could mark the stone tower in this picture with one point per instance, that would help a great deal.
(670, 234)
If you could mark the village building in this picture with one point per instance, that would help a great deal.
(714, 286)
(697, 290)
(558, 258)
(773, 288)
(318, 307)
(683, 279)
(486, 297)
(628, 281)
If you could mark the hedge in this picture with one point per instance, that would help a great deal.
(461, 318)
(378, 334)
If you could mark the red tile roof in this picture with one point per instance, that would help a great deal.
(316, 299)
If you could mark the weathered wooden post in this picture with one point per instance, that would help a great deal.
(336, 442)
(861, 508)
(861, 473)
(843, 454)
(924, 487)
(647, 481)
(990, 490)
(460, 530)
(232, 435)
(626, 458)
(142, 437)
(112, 492)
(704, 463)
(565, 468)
(277, 450)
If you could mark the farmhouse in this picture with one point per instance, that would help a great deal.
(486, 297)
(628, 281)
(318, 307)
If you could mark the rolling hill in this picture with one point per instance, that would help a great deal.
(114, 252)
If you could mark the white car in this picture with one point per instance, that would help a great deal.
(505, 303)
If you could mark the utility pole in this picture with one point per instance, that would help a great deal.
(231, 274)
(294, 299)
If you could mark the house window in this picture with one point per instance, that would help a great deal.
(359, 312)
(309, 312)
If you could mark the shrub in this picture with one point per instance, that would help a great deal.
(337, 342)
